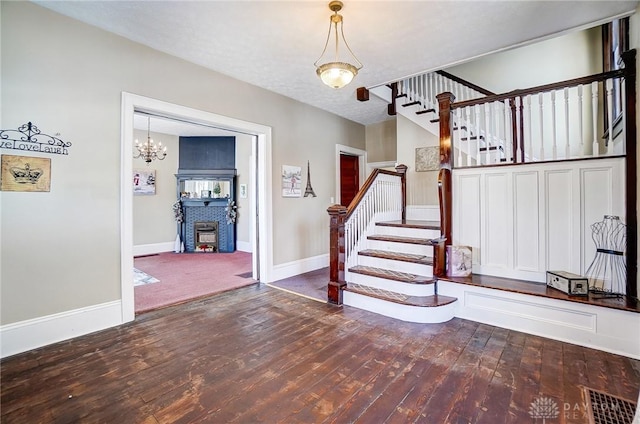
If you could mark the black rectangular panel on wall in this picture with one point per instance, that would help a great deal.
(207, 153)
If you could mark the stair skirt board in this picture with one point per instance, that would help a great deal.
(408, 313)
(408, 289)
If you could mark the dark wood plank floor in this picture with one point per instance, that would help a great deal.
(258, 354)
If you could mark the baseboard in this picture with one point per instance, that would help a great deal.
(423, 212)
(244, 246)
(571, 322)
(34, 333)
(291, 269)
(150, 249)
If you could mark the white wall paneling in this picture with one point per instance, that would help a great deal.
(524, 220)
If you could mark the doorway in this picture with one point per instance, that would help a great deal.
(260, 207)
(349, 178)
(358, 168)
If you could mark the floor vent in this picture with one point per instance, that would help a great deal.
(607, 409)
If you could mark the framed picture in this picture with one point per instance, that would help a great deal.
(144, 181)
(243, 191)
(427, 159)
(25, 173)
(291, 181)
(459, 261)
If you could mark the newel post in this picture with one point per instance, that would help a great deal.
(337, 215)
(631, 165)
(402, 170)
(444, 181)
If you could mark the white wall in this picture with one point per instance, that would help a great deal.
(153, 219)
(68, 77)
(243, 169)
(634, 43)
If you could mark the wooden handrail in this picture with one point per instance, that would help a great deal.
(367, 184)
(466, 83)
(619, 73)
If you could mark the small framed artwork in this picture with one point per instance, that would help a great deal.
(459, 261)
(25, 173)
(427, 159)
(291, 181)
(243, 191)
(144, 181)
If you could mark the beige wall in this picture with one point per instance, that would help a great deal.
(578, 53)
(243, 169)
(68, 78)
(153, 220)
(422, 187)
(381, 141)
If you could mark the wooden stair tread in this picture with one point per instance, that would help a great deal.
(403, 299)
(409, 223)
(388, 274)
(397, 256)
(400, 239)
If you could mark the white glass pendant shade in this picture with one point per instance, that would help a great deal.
(336, 74)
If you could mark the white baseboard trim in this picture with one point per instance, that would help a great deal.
(591, 326)
(290, 269)
(423, 212)
(30, 334)
(151, 249)
(244, 246)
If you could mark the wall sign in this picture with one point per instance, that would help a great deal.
(28, 138)
(25, 173)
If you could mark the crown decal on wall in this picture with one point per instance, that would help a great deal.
(26, 175)
(29, 138)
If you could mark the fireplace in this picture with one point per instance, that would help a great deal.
(205, 236)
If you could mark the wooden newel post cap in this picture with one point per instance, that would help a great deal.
(401, 169)
(336, 210)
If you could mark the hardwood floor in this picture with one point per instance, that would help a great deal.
(258, 354)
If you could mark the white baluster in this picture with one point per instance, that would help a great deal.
(487, 126)
(468, 114)
(567, 148)
(541, 115)
(477, 110)
(432, 93)
(496, 130)
(580, 119)
(529, 130)
(508, 134)
(554, 151)
(458, 137)
(517, 141)
(594, 118)
(609, 84)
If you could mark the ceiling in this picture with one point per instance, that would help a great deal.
(274, 44)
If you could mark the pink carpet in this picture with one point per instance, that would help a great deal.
(187, 276)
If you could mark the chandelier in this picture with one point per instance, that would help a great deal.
(149, 151)
(337, 73)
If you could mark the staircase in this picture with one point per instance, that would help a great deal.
(394, 274)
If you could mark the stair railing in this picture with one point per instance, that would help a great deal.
(551, 122)
(381, 198)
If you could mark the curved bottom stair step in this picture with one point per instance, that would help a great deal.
(419, 309)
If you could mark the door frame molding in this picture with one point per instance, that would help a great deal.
(261, 213)
(362, 166)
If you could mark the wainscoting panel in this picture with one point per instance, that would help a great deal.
(559, 214)
(496, 213)
(526, 252)
(522, 220)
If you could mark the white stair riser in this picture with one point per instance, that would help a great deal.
(409, 267)
(407, 313)
(418, 249)
(392, 285)
(406, 232)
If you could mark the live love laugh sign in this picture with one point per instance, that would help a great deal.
(28, 138)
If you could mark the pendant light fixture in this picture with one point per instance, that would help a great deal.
(337, 72)
(149, 151)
